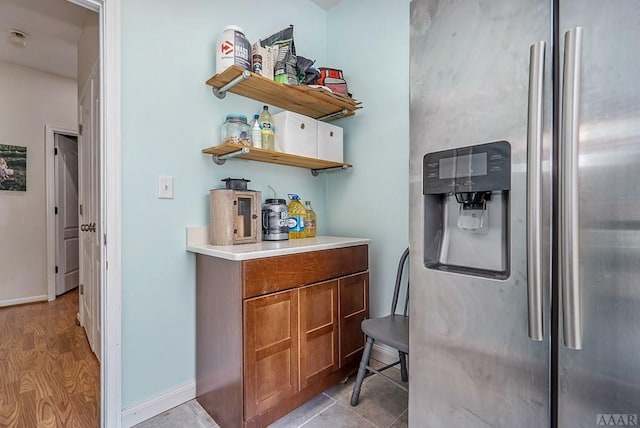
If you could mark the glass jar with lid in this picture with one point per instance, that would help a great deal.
(235, 129)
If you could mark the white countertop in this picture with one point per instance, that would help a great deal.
(197, 238)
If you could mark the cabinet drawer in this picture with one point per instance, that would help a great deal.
(267, 275)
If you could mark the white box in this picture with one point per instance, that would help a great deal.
(268, 55)
(330, 144)
(296, 134)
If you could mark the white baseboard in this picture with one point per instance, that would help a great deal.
(163, 402)
(23, 300)
(384, 353)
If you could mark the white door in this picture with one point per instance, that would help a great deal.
(88, 214)
(66, 196)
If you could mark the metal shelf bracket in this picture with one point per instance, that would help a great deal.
(316, 172)
(220, 160)
(342, 112)
(222, 92)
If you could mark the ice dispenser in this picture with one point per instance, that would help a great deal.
(466, 209)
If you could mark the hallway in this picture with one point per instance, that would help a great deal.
(48, 375)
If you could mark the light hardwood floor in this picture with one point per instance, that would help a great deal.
(48, 375)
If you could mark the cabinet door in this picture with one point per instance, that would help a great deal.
(318, 331)
(246, 205)
(270, 350)
(354, 308)
(234, 217)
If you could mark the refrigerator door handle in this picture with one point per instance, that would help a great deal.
(569, 266)
(534, 189)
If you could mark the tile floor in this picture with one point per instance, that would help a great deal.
(382, 405)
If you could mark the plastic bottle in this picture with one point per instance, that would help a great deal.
(267, 130)
(309, 220)
(297, 214)
(232, 48)
(256, 134)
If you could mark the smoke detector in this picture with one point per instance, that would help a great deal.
(18, 38)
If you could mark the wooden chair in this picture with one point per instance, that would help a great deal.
(393, 331)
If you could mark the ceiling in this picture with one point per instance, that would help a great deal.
(54, 27)
(326, 4)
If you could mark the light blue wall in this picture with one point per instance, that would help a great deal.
(370, 42)
(168, 116)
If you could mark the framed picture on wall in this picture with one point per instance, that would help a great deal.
(13, 168)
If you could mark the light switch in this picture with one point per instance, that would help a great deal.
(165, 187)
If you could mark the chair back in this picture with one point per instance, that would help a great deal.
(396, 291)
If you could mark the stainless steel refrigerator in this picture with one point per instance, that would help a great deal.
(525, 213)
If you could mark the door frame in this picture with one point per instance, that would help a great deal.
(109, 216)
(49, 166)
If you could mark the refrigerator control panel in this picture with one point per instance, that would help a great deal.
(480, 168)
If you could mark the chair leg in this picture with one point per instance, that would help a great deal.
(403, 367)
(362, 371)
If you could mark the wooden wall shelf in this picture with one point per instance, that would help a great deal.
(270, 156)
(317, 103)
